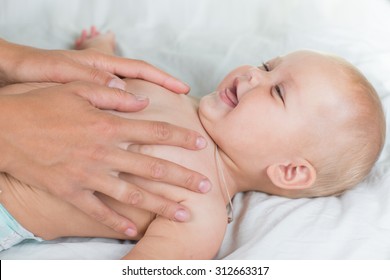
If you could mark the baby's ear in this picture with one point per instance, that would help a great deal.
(295, 174)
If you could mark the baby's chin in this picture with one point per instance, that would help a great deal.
(206, 99)
(207, 106)
(212, 107)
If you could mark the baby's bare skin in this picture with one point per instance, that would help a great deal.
(49, 218)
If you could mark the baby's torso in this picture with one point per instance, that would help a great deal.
(178, 110)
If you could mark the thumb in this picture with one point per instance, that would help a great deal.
(111, 98)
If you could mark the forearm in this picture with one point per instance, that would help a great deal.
(157, 248)
(168, 240)
(160, 246)
(171, 249)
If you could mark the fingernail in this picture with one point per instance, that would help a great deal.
(181, 215)
(117, 83)
(201, 142)
(185, 87)
(181, 87)
(204, 185)
(131, 232)
(140, 98)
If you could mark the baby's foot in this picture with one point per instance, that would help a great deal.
(94, 39)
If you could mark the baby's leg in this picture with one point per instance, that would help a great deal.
(95, 40)
(48, 217)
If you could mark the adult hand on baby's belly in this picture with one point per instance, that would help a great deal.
(62, 144)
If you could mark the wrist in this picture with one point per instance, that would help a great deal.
(5, 60)
(11, 57)
(3, 47)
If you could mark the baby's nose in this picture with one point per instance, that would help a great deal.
(242, 84)
(256, 75)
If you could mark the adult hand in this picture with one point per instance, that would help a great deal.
(54, 139)
(26, 64)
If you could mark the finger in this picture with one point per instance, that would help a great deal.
(93, 32)
(150, 73)
(133, 195)
(73, 71)
(154, 132)
(160, 170)
(79, 40)
(96, 209)
(132, 68)
(110, 98)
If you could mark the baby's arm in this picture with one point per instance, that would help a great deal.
(198, 239)
(48, 217)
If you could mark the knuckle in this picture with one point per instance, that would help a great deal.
(81, 176)
(163, 210)
(190, 181)
(116, 91)
(100, 215)
(95, 74)
(135, 197)
(99, 153)
(161, 131)
(115, 225)
(189, 139)
(78, 183)
(106, 126)
(70, 188)
(157, 169)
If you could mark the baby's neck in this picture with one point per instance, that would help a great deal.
(228, 190)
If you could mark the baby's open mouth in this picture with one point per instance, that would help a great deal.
(231, 94)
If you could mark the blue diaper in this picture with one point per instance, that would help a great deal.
(11, 232)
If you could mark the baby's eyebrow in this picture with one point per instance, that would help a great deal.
(275, 60)
(270, 63)
(263, 66)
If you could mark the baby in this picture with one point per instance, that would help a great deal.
(305, 124)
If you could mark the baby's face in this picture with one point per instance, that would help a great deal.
(261, 114)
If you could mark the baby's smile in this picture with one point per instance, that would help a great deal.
(229, 94)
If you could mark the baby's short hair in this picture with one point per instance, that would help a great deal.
(363, 136)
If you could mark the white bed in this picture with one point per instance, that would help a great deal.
(199, 42)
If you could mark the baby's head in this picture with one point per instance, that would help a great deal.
(302, 125)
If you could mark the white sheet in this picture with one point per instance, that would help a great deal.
(199, 42)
